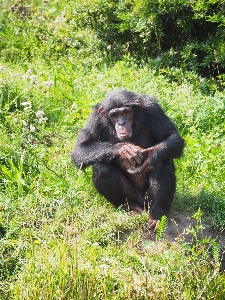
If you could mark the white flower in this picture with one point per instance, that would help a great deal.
(32, 128)
(33, 78)
(40, 114)
(48, 83)
(27, 74)
(190, 112)
(42, 120)
(24, 123)
(26, 103)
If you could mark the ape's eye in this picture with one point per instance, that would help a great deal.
(126, 115)
(127, 110)
(113, 115)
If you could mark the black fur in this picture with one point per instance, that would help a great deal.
(97, 145)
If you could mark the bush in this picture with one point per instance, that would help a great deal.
(167, 34)
(182, 33)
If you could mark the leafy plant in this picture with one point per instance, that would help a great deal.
(161, 227)
(58, 237)
(161, 33)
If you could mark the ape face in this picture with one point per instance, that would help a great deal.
(122, 119)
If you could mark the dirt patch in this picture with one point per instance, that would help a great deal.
(176, 231)
(178, 222)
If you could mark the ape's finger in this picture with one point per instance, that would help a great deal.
(152, 224)
(144, 168)
(147, 151)
(138, 157)
(132, 161)
(135, 171)
(136, 154)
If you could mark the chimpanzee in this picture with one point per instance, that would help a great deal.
(131, 143)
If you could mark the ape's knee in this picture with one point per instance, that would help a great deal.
(104, 183)
(101, 175)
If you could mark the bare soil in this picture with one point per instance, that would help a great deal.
(178, 222)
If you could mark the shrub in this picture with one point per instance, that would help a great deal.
(168, 34)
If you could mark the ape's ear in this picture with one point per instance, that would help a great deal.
(100, 111)
(139, 102)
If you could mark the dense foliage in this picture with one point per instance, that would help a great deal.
(187, 34)
(183, 34)
(58, 238)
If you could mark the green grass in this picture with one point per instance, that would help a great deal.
(58, 238)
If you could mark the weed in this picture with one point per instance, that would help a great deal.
(58, 238)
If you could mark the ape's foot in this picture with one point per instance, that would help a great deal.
(152, 223)
(133, 210)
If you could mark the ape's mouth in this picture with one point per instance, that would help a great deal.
(123, 134)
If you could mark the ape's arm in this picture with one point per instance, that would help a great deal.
(169, 144)
(90, 149)
(87, 152)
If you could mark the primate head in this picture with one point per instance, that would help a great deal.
(120, 110)
(122, 119)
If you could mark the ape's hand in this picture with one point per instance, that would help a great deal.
(147, 164)
(131, 153)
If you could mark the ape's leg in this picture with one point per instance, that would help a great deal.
(161, 189)
(109, 181)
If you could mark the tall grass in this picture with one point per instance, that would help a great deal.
(58, 238)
